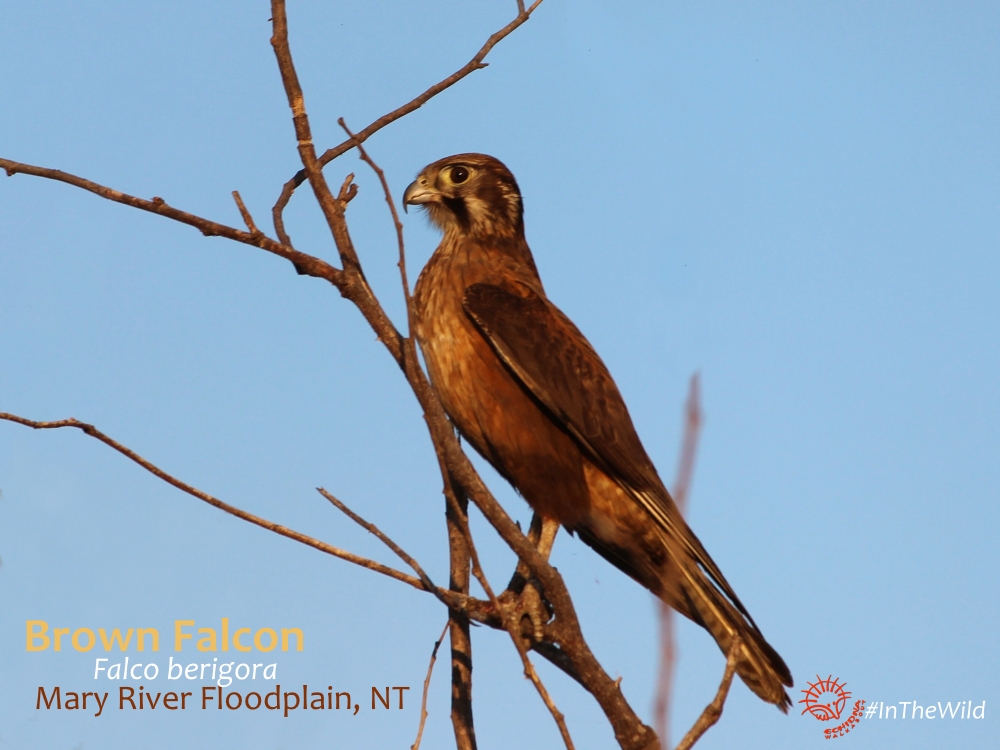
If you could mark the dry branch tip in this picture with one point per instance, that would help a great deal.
(247, 218)
(713, 711)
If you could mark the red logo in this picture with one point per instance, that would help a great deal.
(826, 700)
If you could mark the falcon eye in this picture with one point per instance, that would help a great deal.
(459, 175)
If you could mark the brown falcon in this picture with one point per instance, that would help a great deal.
(528, 392)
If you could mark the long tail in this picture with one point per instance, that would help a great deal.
(674, 572)
(758, 664)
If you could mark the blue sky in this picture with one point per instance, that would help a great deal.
(799, 202)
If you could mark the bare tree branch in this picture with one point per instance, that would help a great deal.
(427, 685)
(558, 658)
(89, 429)
(247, 218)
(682, 488)
(310, 265)
(353, 286)
(713, 710)
(373, 529)
(462, 719)
(693, 418)
(395, 221)
(476, 63)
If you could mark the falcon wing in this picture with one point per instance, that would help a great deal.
(559, 367)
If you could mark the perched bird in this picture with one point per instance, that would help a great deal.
(529, 393)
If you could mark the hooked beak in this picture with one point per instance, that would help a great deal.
(417, 194)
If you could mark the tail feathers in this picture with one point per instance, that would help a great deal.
(680, 582)
(757, 663)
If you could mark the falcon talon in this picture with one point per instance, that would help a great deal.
(527, 605)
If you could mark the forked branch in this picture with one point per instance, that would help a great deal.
(373, 529)
(284, 531)
(310, 265)
(427, 686)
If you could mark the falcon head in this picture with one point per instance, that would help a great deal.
(472, 194)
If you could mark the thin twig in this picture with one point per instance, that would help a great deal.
(247, 218)
(427, 685)
(373, 529)
(476, 63)
(557, 657)
(713, 710)
(93, 432)
(355, 287)
(693, 418)
(312, 266)
(682, 488)
(665, 678)
(395, 221)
